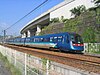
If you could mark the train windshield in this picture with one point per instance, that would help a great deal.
(76, 39)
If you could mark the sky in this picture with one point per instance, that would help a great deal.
(13, 10)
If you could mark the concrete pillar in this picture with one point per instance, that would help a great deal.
(23, 35)
(33, 32)
(28, 33)
(38, 29)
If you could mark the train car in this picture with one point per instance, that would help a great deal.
(62, 41)
(16, 41)
(19, 41)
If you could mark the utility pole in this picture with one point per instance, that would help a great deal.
(4, 37)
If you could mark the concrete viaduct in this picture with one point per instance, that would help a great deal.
(35, 26)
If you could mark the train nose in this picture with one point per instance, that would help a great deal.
(78, 47)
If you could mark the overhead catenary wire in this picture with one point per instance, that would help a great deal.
(27, 14)
(4, 31)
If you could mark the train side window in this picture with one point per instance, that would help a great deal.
(19, 40)
(27, 40)
(46, 39)
(32, 39)
(51, 39)
(72, 38)
(55, 39)
(22, 40)
(60, 39)
(41, 39)
(36, 39)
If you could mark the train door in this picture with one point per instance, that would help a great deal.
(63, 44)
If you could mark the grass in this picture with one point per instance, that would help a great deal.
(94, 52)
(97, 52)
(9, 66)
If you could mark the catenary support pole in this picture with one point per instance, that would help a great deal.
(15, 58)
(25, 64)
(47, 67)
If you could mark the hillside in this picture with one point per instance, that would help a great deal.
(87, 25)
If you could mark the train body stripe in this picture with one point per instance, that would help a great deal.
(44, 45)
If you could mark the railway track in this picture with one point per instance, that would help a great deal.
(84, 62)
(92, 55)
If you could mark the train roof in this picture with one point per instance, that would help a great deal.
(51, 35)
(46, 36)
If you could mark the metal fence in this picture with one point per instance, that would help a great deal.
(92, 47)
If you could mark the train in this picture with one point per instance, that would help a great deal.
(65, 41)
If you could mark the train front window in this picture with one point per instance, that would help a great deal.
(76, 39)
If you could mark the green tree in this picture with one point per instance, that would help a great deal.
(97, 2)
(76, 11)
(63, 20)
(54, 20)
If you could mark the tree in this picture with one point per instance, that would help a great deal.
(54, 20)
(76, 11)
(63, 20)
(97, 2)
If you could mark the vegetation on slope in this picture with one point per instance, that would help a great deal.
(87, 24)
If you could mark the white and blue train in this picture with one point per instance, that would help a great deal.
(63, 41)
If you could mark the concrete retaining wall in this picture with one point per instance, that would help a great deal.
(31, 65)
